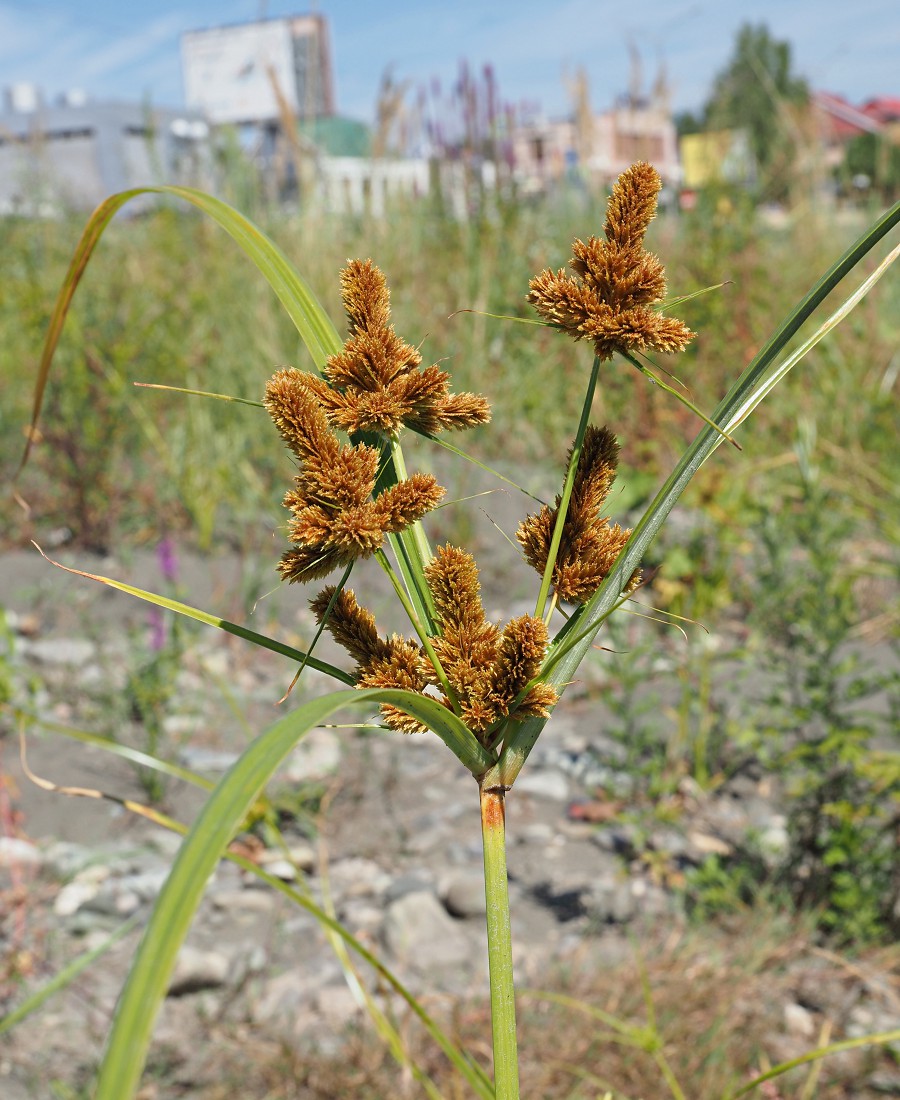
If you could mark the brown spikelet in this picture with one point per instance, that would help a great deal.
(467, 645)
(334, 519)
(299, 420)
(610, 298)
(374, 382)
(589, 545)
(351, 626)
(521, 652)
(486, 668)
(392, 662)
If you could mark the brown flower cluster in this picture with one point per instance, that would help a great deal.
(374, 383)
(610, 299)
(334, 517)
(589, 545)
(486, 667)
(393, 662)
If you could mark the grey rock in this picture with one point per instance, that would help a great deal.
(336, 1005)
(282, 869)
(63, 859)
(196, 969)
(67, 652)
(886, 1082)
(199, 758)
(362, 916)
(147, 884)
(670, 841)
(872, 1019)
(73, 896)
(15, 852)
(463, 895)
(182, 726)
(544, 783)
(799, 1020)
(281, 997)
(535, 832)
(410, 882)
(165, 843)
(316, 757)
(246, 901)
(418, 931)
(611, 900)
(621, 838)
(121, 895)
(596, 776)
(774, 839)
(356, 877)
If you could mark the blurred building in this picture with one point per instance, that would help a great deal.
(74, 153)
(596, 147)
(836, 122)
(254, 74)
(717, 156)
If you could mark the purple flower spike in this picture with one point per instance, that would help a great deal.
(167, 559)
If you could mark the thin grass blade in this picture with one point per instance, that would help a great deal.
(311, 321)
(65, 977)
(133, 756)
(195, 613)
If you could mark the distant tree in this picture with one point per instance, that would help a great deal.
(687, 122)
(757, 92)
(876, 158)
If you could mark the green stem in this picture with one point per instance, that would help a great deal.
(547, 579)
(420, 630)
(418, 531)
(500, 964)
(416, 545)
(403, 543)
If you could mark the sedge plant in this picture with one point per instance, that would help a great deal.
(486, 689)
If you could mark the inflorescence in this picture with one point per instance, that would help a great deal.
(376, 384)
(613, 297)
(489, 670)
(589, 545)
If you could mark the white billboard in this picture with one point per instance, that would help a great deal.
(229, 71)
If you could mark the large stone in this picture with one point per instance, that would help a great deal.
(196, 969)
(316, 757)
(544, 783)
(18, 853)
(418, 931)
(463, 895)
(70, 652)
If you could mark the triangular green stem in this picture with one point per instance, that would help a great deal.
(499, 938)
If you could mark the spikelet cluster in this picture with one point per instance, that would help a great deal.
(610, 299)
(375, 382)
(487, 668)
(334, 518)
(589, 545)
(393, 662)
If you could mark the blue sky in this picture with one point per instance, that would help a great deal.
(114, 52)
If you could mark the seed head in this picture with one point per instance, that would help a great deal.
(589, 545)
(393, 662)
(611, 296)
(375, 382)
(486, 667)
(334, 518)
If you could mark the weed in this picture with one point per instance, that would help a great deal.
(829, 721)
